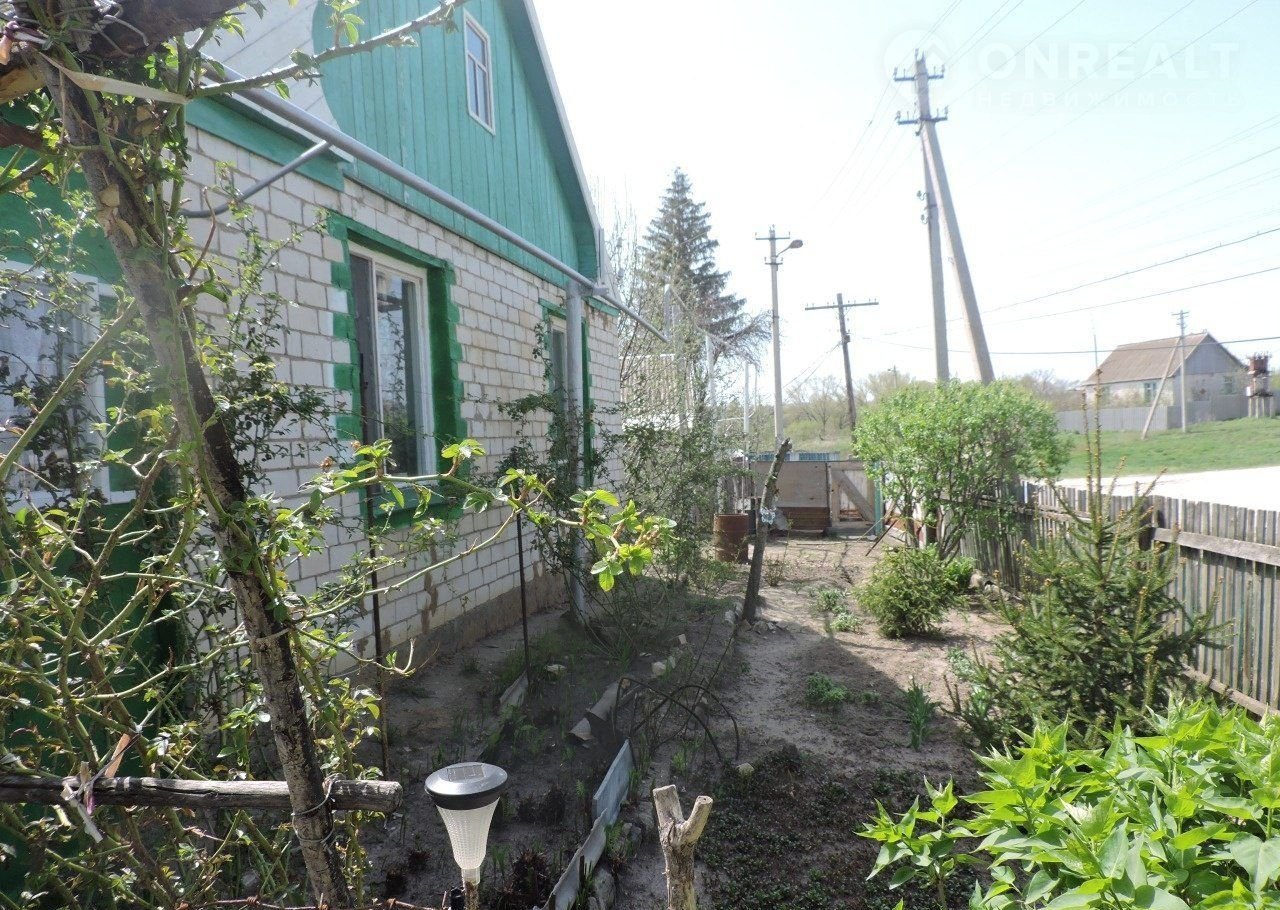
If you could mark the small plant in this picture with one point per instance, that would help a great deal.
(920, 708)
(959, 572)
(471, 667)
(821, 691)
(961, 663)
(844, 621)
(831, 600)
(775, 571)
(908, 593)
(870, 697)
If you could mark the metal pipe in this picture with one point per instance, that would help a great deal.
(573, 323)
(309, 123)
(314, 152)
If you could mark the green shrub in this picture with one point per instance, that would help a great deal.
(831, 600)
(1183, 818)
(959, 571)
(1096, 639)
(844, 621)
(822, 691)
(908, 593)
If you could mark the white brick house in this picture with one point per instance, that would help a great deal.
(417, 321)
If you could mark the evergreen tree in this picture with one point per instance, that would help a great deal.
(678, 249)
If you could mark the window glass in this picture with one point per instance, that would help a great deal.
(38, 344)
(393, 353)
(557, 366)
(479, 74)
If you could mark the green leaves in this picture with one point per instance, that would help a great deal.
(1067, 827)
(956, 446)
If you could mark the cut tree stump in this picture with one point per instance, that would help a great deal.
(678, 836)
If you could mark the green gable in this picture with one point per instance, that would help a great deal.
(410, 103)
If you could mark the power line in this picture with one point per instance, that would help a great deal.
(1150, 69)
(1089, 75)
(1136, 347)
(1019, 51)
(1108, 278)
(888, 86)
(1151, 296)
(1145, 268)
(968, 44)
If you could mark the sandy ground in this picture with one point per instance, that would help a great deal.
(870, 733)
(1253, 488)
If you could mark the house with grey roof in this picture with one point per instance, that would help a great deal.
(1145, 374)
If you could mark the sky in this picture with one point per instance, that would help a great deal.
(1085, 138)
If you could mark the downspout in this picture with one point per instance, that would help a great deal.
(575, 427)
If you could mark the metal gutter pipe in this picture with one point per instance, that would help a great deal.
(309, 123)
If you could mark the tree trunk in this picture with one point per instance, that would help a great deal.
(144, 264)
(751, 601)
(678, 836)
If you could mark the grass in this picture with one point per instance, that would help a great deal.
(1204, 447)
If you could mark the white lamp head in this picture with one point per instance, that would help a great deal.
(466, 795)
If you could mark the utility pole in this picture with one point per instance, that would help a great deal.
(936, 171)
(1182, 368)
(774, 261)
(940, 353)
(845, 339)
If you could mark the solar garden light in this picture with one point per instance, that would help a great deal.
(466, 795)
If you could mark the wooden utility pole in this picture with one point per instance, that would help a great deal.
(1182, 365)
(845, 339)
(678, 835)
(937, 171)
(750, 602)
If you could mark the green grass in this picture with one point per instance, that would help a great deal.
(1204, 447)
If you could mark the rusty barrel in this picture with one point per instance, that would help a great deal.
(729, 536)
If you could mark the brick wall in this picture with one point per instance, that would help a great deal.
(498, 315)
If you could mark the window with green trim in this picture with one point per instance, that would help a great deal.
(393, 337)
(39, 342)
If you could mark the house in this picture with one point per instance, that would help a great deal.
(420, 313)
(1134, 377)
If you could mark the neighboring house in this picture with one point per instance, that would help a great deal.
(1136, 376)
(418, 319)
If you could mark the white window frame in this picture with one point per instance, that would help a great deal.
(419, 324)
(469, 23)
(96, 394)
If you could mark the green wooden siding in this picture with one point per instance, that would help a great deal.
(410, 103)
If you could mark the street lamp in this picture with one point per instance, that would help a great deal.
(466, 795)
(775, 260)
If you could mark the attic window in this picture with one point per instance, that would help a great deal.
(479, 73)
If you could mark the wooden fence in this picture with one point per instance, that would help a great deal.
(1229, 565)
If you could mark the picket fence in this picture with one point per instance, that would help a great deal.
(1229, 565)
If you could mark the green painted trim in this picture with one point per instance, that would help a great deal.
(443, 316)
(552, 309)
(601, 306)
(240, 125)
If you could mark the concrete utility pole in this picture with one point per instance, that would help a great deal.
(845, 339)
(940, 353)
(1182, 368)
(774, 261)
(937, 172)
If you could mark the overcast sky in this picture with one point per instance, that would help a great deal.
(1085, 139)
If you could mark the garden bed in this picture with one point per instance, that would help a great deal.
(786, 835)
(449, 712)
